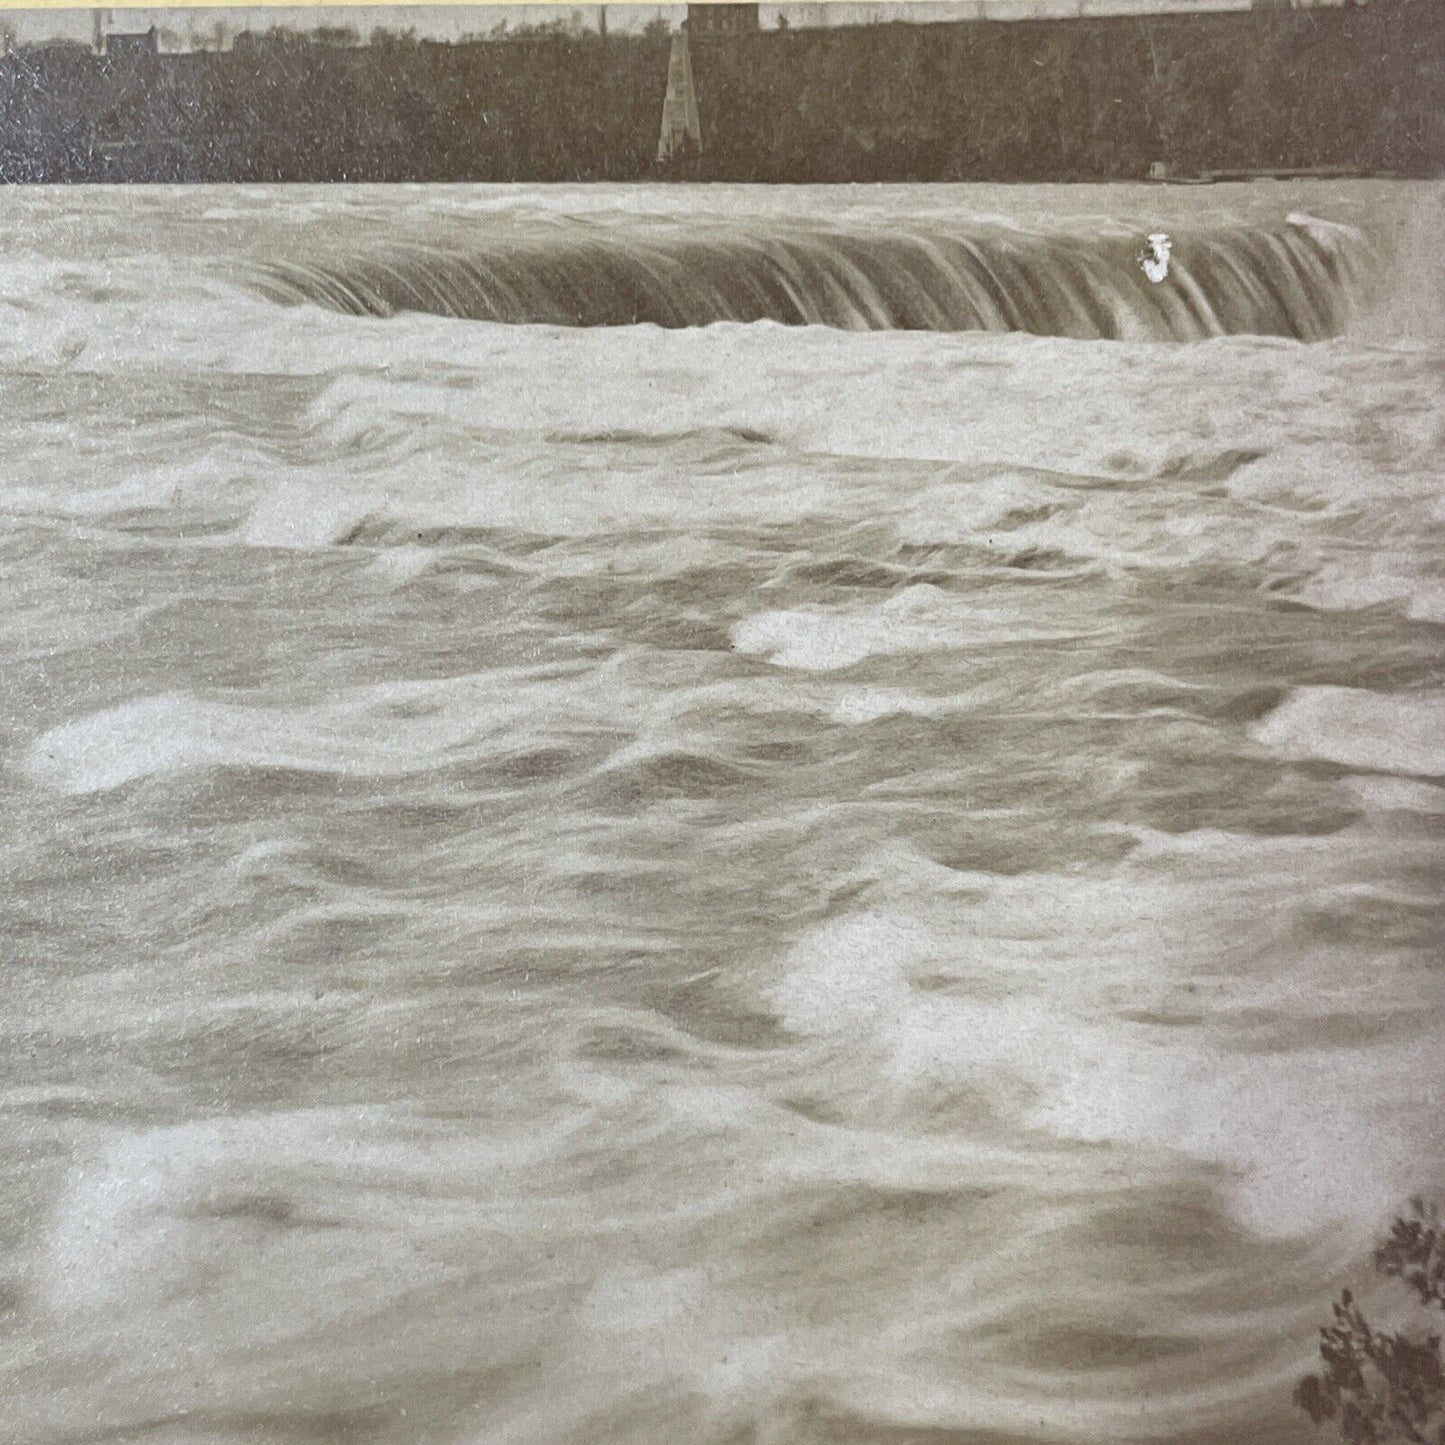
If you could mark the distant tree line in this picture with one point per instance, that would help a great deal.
(1091, 99)
(1357, 88)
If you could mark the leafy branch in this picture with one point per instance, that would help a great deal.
(1380, 1388)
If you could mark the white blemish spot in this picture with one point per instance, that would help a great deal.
(1154, 256)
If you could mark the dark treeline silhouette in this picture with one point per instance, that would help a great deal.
(1355, 88)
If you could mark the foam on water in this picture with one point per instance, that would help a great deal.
(1391, 734)
(917, 619)
(374, 732)
(1027, 991)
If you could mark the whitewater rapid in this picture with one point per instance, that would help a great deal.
(751, 881)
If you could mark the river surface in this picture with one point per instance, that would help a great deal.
(739, 883)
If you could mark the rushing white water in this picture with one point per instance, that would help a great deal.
(735, 883)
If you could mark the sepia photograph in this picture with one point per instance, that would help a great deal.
(723, 724)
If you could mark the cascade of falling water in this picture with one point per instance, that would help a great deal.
(1298, 279)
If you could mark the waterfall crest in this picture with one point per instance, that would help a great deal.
(1302, 278)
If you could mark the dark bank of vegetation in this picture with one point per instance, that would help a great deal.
(1358, 88)
(1375, 1387)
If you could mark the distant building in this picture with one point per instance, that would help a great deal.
(131, 45)
(722, 19)
(121, 44)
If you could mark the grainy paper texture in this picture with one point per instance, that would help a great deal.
(651, 798)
